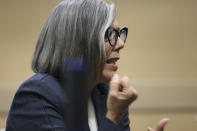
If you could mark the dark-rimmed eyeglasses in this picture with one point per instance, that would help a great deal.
(112, 35)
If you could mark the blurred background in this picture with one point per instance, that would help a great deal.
(160, 56)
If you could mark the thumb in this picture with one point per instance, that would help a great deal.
(161, 124)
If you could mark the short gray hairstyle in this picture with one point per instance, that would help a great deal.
(75, 28)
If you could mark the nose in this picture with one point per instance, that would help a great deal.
(119, 45)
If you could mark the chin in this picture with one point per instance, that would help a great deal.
(107, 76)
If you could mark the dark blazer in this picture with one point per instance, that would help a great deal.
(40, 102)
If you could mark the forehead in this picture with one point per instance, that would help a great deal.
(115, 24)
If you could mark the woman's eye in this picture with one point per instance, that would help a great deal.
(112, 34)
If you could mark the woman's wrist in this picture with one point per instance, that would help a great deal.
(114, 117)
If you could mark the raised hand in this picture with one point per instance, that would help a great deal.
(121, 95)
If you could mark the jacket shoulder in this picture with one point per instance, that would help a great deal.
(37, 105)
(45, 86)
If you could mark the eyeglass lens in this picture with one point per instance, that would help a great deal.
(114, 36)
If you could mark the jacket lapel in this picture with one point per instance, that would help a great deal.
(99, 97)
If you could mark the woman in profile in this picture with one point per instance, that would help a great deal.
(75, 86)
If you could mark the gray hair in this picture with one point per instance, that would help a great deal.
(75, 28)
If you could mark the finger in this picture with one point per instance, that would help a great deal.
(125, 81)
(124, 84)
(150, 129)
(115, 82)
(134, 91)
(161, 124)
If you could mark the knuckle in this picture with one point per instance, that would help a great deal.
(125, 78)
(113, 95)
(132, 93)
(114, 82)
(125, 81)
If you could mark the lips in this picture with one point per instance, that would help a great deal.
(112, 60)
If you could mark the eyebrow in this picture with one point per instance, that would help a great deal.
(117, 28)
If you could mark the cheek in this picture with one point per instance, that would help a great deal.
(108, 49)
(107, 73)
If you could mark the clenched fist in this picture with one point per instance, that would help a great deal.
(121, 95)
